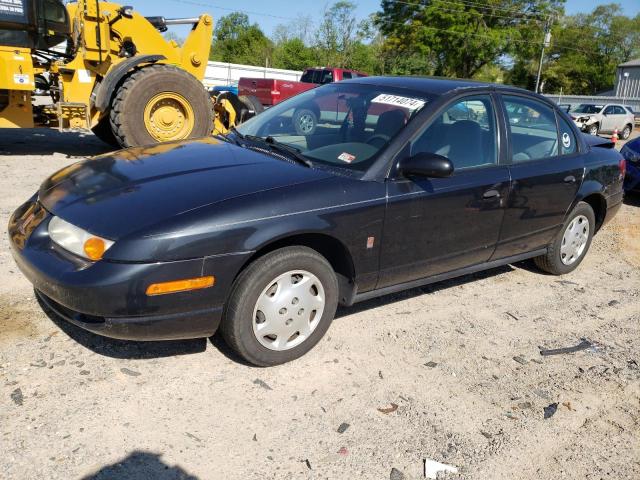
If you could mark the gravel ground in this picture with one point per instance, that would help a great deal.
(450, 372)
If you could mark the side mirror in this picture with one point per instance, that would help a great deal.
(427, 165)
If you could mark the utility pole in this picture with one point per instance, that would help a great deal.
(546, 42)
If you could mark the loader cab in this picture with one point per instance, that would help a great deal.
(34, 24)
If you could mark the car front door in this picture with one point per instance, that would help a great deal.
(437, 225)
(546, 172)
(609, 116)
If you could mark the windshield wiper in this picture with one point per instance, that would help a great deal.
(273, 144)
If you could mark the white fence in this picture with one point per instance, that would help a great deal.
(575, 100)
(221, 73)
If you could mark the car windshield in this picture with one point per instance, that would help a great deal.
(341, 124)
(588, 108)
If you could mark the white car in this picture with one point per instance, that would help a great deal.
(593, 119)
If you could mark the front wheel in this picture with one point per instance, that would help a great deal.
(280, 306)
(571, 244)
(160, 103)
(592, 129)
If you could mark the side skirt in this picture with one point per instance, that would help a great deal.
(446, 276)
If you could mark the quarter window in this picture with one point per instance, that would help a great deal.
(568, 143)
(465, 133)
(532, 127)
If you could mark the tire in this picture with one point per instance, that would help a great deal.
(242, 316)
(138, 104)
(305, 121)
(253, 105)
(103, 131)
(552, 262)
(626, 132)
(593, 129)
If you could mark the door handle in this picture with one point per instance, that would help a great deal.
(570, 179)
(491, 194)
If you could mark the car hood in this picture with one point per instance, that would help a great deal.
(119, 193)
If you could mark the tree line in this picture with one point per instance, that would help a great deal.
(490, 40)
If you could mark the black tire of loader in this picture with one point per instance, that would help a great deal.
(128, 106)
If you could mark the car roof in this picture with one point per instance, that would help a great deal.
(433, 85)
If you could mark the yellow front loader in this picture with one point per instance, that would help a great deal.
(106, 68)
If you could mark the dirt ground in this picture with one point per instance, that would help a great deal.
(459, 359)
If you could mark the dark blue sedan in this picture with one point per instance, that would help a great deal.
(631, 152)
(261, 233)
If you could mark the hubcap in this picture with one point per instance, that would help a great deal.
(306, 123)
(288, 310)
(574, 240)
(168, 116)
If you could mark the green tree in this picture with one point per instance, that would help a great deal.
(586, 49)
(458, 38)
(292, 54)
(238, 41)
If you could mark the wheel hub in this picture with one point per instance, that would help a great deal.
(168, 116)
(574, 240)
(288, 310)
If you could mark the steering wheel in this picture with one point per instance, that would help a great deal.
(378, 140)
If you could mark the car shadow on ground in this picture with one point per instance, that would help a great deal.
(632, 199)
(141, 465)
(431, 288)
(45, 141)
(124, 349)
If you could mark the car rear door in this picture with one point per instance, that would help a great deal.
(437, 225)
(546, 172)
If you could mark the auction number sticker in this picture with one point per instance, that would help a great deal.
(566, 140)
(398, 101)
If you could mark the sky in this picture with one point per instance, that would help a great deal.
(270, 13)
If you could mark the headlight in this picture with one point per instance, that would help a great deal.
(76, 240)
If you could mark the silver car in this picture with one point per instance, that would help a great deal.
(593, 119)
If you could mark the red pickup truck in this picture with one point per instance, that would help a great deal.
(270, 91)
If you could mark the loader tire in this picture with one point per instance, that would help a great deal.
(253, 105)
(160, 103)
(103, 131)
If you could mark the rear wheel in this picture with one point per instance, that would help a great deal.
(571, 243)
(280, 306)
(160, 103)
(253, 105)
(103, 131)
(626, 132)
(305, 121)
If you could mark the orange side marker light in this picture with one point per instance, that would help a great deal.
(180, 285)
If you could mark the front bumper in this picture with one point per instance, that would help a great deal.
(109, 298)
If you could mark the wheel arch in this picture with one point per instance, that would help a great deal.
(334, 250)
(598, 203)
(114, 77)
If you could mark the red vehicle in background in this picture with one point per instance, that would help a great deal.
(271, 91)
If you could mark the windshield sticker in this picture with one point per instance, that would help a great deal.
(566, 140)
(395, 100)
(346, 157)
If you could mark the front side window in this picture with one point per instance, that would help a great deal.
(340, 124)
(465, 133)
(532, 128)
(346, 75)
(610, 110)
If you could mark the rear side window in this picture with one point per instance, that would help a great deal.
(568, 143)
(307, 77)
(619, 110)
(532, 127)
